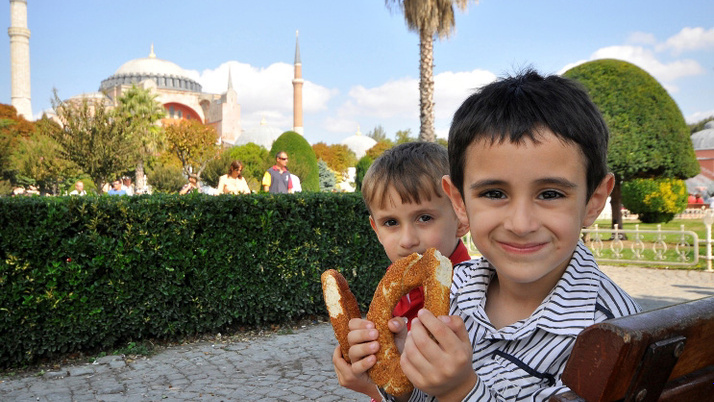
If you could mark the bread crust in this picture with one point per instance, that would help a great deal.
(341, 305)
(432, 271)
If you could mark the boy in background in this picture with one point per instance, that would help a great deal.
(410, 213)
(528, 170)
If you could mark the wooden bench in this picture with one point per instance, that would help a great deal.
(659, 355)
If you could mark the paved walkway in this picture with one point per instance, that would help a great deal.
(288, 367)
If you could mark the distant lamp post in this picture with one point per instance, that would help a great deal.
(708, 221)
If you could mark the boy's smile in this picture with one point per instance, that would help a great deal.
(526, 205)
(406, 228)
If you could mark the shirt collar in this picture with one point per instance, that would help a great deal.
(575, 292)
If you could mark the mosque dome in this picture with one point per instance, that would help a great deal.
(164, 73)
(263, 135)
(359, 144)
(704, 139)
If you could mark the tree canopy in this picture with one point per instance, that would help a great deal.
(141, 111)
(648, 135)
(193, 143)
(428, 18)
(338, 157)
(92, 138)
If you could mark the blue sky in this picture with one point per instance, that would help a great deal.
(359, 61)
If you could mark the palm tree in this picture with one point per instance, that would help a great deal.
(140, 112)
(429, 18)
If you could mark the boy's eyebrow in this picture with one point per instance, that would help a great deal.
(553, 181)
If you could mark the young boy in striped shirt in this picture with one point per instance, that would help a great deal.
(528, 170)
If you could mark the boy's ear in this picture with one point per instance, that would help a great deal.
(598, 199)
(374, 227)
(457, 202)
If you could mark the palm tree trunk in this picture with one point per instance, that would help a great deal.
(140, 178)
(426, 87)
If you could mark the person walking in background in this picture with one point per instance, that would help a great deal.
(127, 186)
(277, 178)
(191, 186)
(297, 187)
(78, 188)
(116, 188)
(233, 182)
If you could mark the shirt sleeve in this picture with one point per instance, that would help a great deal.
(221, 184)
(266, 179)
(243, 187)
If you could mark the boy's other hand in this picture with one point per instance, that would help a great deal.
(363, 345)
(346, 377)
(398, 326)
(441, 366)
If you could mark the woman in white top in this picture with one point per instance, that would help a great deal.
(233, 182)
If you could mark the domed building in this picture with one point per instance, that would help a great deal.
(180, 95)
(263, 135)
(359, 144)
(703, 144)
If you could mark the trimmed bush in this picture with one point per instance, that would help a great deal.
(655, 200)
(78, 273)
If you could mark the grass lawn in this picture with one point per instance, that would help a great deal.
(695, 225)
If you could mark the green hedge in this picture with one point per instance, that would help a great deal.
(78, 273)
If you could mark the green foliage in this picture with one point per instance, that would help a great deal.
(655, 200)
(13, 129)
(166, 178)
(38, 158)
(404, 136)
(79, 273)
(193, 143)
(140, 111)
(92, 139)
(327, 177)
(254, 158)
(378, 149)
(216, 167)
(378, 133)
(337, 156)
(649, 137)
(361, 169)
(302, 159)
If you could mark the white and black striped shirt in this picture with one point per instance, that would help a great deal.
(524, 361)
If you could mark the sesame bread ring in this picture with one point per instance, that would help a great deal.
(433, 271)
(341, 305)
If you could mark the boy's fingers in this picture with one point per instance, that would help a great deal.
(363, 350)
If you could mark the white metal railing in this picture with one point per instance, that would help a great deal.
(644, 247)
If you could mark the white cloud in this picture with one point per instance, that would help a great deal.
(665, 73)
(400, 98)
(264, 92)
(392, 99)
(699, 116)
(451, 89)
(688, 39)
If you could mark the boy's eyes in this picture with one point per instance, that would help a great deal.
(425, 218)
(493, 194)
(550, 195)
(393, 222)
(545, 195)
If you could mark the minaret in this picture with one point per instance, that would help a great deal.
(20, 58)
(297, 90)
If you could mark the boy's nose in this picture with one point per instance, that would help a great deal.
(521, 218)
(408, 238)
